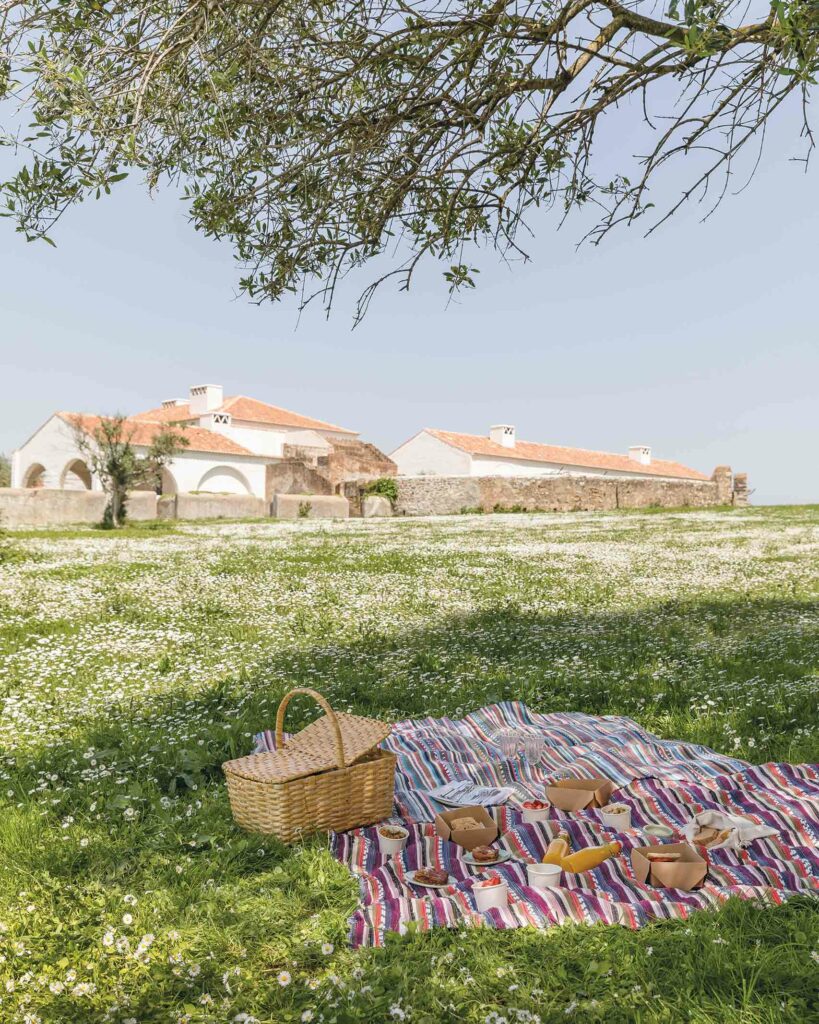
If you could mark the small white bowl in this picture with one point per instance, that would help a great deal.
(619, 820)
(542, 876)
(531, 815)
(489, 896)
(658, 831)
(389, 847)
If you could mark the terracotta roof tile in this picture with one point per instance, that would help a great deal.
(242, 408)
(534, 452)
(143, 433)
(254, 411)
(173, 414)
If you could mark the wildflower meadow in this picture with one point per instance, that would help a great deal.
(133, 663)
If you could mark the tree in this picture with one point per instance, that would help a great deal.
(320, 135)
(5, 470)
(106, 444)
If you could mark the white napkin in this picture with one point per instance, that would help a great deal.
(743, 830)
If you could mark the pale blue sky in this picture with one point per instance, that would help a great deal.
(700, 341)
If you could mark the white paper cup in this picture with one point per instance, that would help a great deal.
(489, 896)
(658, 831)
(542, 876)
(531, 815)
(389, 847)
(619, 820)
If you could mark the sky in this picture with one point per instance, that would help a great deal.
(700, 340)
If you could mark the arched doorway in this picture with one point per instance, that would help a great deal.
(34, 476)
(168, 482)
(224, 480)
(76, 476)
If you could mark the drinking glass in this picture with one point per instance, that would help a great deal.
(507, 740)
(533, 747)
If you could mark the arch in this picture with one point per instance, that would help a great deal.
(34, 476)
(225, 480)
(168, 482)
(76, 477)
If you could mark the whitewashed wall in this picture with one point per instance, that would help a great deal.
(426, 455)
(52, 447)
(487, 465)
(225, 474)
(269, 440)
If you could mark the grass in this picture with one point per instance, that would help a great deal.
(132, 664)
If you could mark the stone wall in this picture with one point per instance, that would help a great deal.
(417, 496)
(213, 506)
(447, 495)
(437, 495)
(375, 506)
(40, 506)
(310, 506)
(356, 461)
(295, 476)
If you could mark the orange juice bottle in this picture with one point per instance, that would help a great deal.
(558, 849)
(582, 860)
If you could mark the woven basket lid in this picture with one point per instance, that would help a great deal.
(276, 766)
(358, 734)
(333, 741)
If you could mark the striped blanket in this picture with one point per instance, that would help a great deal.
(661, 780)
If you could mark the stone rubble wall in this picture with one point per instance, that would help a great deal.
(354, 460)
(212, 506)
(417, 496)
(295, 476)
(375, 505)
(41, 506)
(310, 506)
(442, 495)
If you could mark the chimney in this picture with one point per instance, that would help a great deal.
(503, 434)
(173, 403)
(640, 453)
(205, 398)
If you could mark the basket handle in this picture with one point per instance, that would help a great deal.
(331, 715)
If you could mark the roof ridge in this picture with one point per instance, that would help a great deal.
(549, 444)
(592, 453)
(318, 424)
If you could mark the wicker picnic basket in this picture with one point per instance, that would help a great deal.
(330, 776)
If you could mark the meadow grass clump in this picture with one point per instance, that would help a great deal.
(133, 663)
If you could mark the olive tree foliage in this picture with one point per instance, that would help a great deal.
(319, 135)
(106, 444)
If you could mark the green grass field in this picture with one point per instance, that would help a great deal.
(133, 664)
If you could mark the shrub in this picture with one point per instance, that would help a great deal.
(387, 486)
(304, 509)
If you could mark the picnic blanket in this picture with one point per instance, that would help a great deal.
(663, 781)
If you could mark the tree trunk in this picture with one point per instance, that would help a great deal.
(116, 505)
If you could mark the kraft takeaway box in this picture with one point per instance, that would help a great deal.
(446, 824)
(575, 794)
(685, 873)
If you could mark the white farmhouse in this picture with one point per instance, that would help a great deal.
(444, 453)
(231, 442)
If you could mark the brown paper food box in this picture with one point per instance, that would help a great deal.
(685, 873)
(575, 794)
(467, 838)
